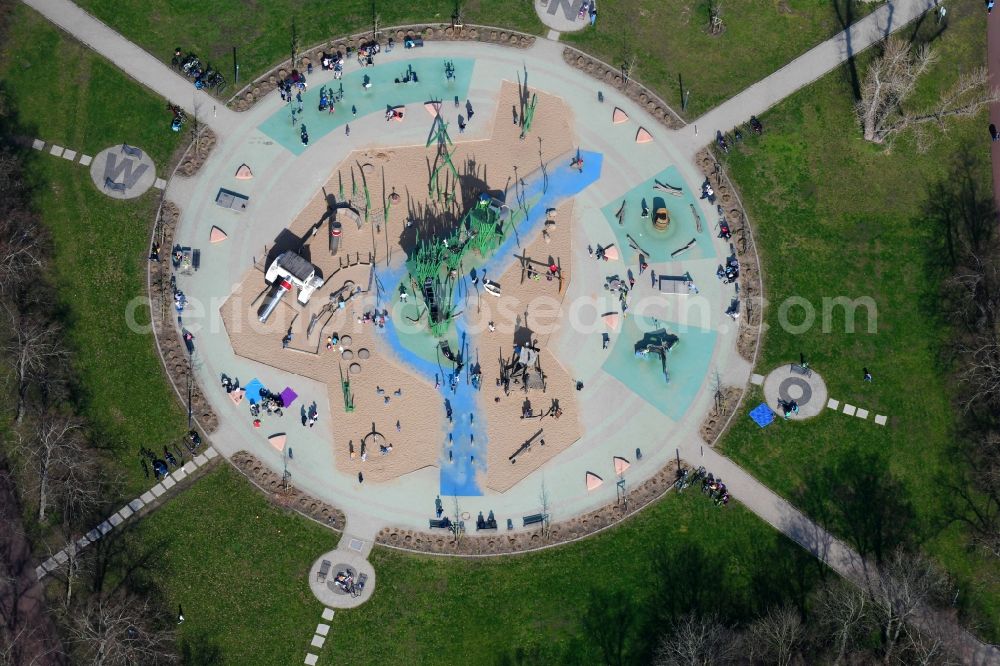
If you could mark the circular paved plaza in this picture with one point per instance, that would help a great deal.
(481, 315)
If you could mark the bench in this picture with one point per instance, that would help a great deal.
(413, 42)
(800, 369)
(132, 151)
(112, 185)
(324, 569)
(534, 519)
(359, 586)
(443, 524)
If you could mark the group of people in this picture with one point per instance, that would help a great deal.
(715, 489)
(334, 61)
(788, 408)
(730, 272)
(377, 317)
(346, 581)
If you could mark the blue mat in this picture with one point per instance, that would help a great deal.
(253, 390)
(762, 415)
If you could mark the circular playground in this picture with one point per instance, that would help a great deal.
(454, 282)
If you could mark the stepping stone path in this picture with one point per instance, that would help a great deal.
(319, 636)
(118, 518)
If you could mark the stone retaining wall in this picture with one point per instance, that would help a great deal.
(501, 541)
(638, 93)
(270, 483)
(261, 86)
(197, 152)
(751, 289)
(161, 305)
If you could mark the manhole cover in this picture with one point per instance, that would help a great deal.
(355, 369)
(347, 355)
(363, 353)
(345, 340)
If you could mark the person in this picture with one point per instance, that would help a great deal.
(989, 6)
(605, 339)
(402, 293)
(361, 477)
(329, 342)
(286, 340)
(993, 132)
(180, 614)
(492, 326)
(593, 14)
(868, 375)
(154, 254)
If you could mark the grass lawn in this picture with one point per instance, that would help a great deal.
(65, 94)
(238, 567)
(835, 216)
(262, 32)
(671, 42)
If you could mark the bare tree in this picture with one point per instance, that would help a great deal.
(891, 80)
(544, 504)
(21, 250)
(980, 493)
(980, 374)
(778, 634)
(64, 468)
(35, 349)
(628, 66)
(120, 631)
(698, 640)
(902, 590)
(457, 524)
(843, 614)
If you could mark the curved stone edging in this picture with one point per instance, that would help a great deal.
(635, 91)
(246, 97)
(170, 348)
(751, 283)
(269, 482)
(190, 163)
(503, 542)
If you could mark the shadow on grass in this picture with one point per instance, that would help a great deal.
(857, 496)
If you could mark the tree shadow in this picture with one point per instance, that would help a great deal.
(843, 11)
(857, 496)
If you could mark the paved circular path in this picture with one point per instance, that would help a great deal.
(619, 412)
(341, 559)
(809, 391)
(123, 172)
(561, 15)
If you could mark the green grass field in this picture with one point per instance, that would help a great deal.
(65, 94)
(836, 216)
(262, 32)
(238, 567)
(672, 44)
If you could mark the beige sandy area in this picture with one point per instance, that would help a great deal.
(537, 303)
(485, 164)
(418, 407)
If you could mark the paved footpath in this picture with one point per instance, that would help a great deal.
(840, 557)
(136, 62)
(756, 496)
(800, 72)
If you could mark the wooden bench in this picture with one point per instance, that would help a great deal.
(443, 524)
(800, 369)
(112, 185)
(533, 519)
(132, 151)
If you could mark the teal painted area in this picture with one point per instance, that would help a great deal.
(431, 85)
(660, 244)
(688, 364)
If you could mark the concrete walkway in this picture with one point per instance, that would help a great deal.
(800, 72)
(840, 557)
(136, 62)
